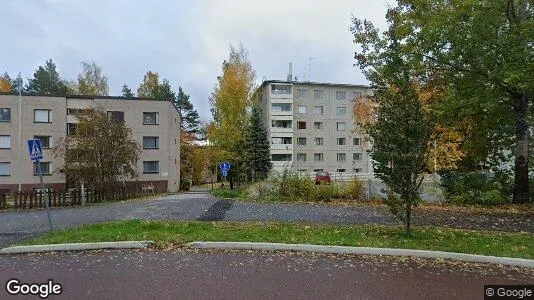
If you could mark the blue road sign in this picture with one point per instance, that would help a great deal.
(36, 152)
(225, 166)
(224, 173)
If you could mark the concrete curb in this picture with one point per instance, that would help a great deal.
(76, 247)
(518, 262)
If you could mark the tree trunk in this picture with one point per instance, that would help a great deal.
(407, 219)
(521, 149)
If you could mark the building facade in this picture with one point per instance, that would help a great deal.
(155, 126)
(311, 127)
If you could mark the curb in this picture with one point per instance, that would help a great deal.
(76, 247)
(518, 262)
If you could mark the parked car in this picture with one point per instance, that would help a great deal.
(322, 176)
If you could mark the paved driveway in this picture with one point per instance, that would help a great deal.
(17, 225)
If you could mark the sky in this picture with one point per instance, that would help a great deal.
(184, 41)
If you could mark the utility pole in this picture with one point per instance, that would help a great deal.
(20, 134)
(310, 65)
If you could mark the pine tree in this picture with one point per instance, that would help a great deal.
(46, 81)
(189, 116)
(257, 148)
(127, 92)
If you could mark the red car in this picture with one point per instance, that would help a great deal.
(322, 176)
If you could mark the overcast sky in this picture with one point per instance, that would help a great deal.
(184, 41)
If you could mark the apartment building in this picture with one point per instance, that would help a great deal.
(154, 124)
(311, 126)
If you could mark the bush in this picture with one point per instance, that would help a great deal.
(477, 188)
(354, 189)
(292, 185)
(325, 192)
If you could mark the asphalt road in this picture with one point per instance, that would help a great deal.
(17, 225)
(188, 274)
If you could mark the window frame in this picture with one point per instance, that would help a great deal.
(2, 114)
(299, 111)
(156, 114)
(300, 155)
(46, 171)
(300, 139)
(305, 92)
(320, 155)
(111, 114)
(49, 115)
(8, 168)
(318, 92)
(359, 141)
(156, 146)
(316, 139)
(9, 142)
(344, 108)
(299, 123)
(320, 125)
(156, 165)
(315, 107)
(44, 144)
(339, 123)
(342, 139)
(338, 93)
(359, 155)
(342, 155)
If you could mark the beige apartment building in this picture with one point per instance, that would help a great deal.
(311, 127)
(154, 124)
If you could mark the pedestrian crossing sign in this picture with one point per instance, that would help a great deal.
(36, 152)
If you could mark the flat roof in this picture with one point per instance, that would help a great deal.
(77, 96)
(314, 83)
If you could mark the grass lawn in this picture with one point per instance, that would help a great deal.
(172, 234)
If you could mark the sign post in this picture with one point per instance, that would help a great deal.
(225, 167)
(36, 154)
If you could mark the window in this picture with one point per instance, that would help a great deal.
(46, 141)
(301, 156)
(341, 95)
(357, 170)
(341, 141)
(317, 157)
(281, 107)
(341, 126)
(150, 118)
(356, 141)
(77, 111)
(281, 140)
(301, 109)
(341, 111)
(281, 124)
(71, 128)
(302, 94)
(116, 116)
(281, 157)
(5, 142)
(318, 125)
(301, 125)
(280, 89)
(5, 169)
(301, 141)
(151, 167)
(356, 95)
(150, 142)
(341, 170)
(318, 141)
(318, 170)
(42, 116)
(341, 157)
(356, 156)
(5, 114)
(318, 110)
(318, 94)
(45, 168)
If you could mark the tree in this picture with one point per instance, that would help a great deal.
(127, 92)
(15, 83)
(101, 151)
(46, 81)
(189, 116)
(91, 81)
(186, 160)
(484, 50)
(230, 104)
(5, 85)
(164, 92)
(400, 128)
(149, 86)
(258, 153)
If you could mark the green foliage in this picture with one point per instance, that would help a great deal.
(477, 188)
(257, 148)
(14, 83)
(225, 193)
(189, 119)
(354, 189)
(46, 81)
(127, 92)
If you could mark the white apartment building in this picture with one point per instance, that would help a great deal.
(311, 126)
